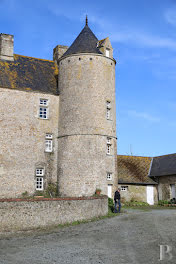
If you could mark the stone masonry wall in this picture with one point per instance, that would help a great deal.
(165, 186)
(86, 83)
(137, 193)
(31, 214)
(22, 137)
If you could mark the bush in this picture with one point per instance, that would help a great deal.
(163, 202)
(111, 204)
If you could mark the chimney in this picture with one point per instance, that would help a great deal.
(58, 51)
(6, 47)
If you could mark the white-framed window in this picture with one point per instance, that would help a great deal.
(109, 176)
(39, 173)
(48, 145)
(124, 188)
(43, 109)
(43, 112)
(39, 183)
(107, 52)
(108, 109)
(49, 136)
(44, 102)
(109, 145)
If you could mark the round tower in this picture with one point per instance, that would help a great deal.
(87, 148)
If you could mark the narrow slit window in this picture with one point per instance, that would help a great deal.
(109, 145)
(108, 110)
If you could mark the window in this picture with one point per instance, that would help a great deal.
(43, 109)
(43, 101)
(107, 52)
(39, 183)
(49, 136)
(48, 145)
(124, 188)
(108, 145)
(39, 172)
(109, 176)
(48, 142)
(39, 179)
(43, 112)
(108, 109)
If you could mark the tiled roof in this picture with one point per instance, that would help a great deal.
(134, 169)
(26, 73)
(86, 42)
(163, 165)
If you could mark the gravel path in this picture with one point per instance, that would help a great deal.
(133, 237)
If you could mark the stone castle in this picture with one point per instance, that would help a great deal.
(58, 119)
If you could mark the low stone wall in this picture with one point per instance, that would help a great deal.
(23, 214)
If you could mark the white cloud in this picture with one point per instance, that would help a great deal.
(144, 116)
(123, 34)
(170, 16)
(143, 39)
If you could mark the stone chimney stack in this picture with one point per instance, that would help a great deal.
(6, 47)
(58, 51)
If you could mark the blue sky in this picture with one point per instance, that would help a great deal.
(143, 35)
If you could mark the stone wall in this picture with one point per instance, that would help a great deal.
(22, 138)
(86, 83)
(30, 214)
(137, 193)
(165, 186)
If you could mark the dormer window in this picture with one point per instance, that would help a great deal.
(107, 52)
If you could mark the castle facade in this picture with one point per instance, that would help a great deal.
(58, 119)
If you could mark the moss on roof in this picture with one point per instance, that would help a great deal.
(26, 73)
(133, 169)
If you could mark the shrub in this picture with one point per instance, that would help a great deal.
(51, 190)
(111, 204)
(25, 194)
(162, 202)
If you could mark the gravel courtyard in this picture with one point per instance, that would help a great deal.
(131, 237)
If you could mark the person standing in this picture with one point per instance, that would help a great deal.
(117, 197)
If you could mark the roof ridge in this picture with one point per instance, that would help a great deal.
(33, 57)
(134, 156)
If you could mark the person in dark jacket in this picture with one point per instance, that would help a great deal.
(117, 197)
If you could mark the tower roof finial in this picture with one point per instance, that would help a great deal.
(86, 21)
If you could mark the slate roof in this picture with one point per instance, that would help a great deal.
(163, 165)
(26, 73)
(86, 42)
(134, 170)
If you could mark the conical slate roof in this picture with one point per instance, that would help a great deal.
(86, 42)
